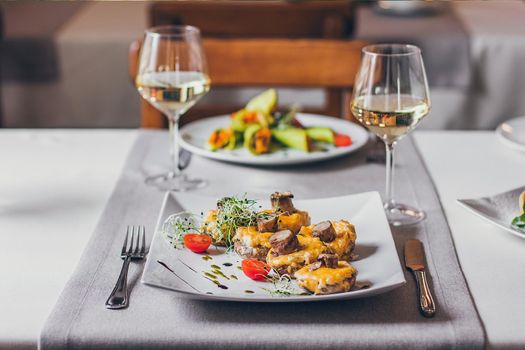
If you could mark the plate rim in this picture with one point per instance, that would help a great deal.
(253, 160)
(309, 298)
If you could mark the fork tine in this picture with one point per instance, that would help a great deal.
(143, 248)
(130, 249)
(125, 246)
(137, 242)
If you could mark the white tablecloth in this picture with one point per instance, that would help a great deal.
(54, 185)
(497, 46)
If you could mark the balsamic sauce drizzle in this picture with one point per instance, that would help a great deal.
(217, 283)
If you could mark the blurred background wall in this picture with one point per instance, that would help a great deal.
(65, 64)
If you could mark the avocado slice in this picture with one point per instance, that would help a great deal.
(265, 102)
(321, 134)
(292, 137)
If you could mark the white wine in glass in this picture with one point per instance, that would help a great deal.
(173, 91)
(172, 77)
(390, 98)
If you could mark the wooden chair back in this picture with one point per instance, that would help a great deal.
(327, 64)
(259, 19)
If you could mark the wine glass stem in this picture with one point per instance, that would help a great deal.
(389, 190)
(174, 145)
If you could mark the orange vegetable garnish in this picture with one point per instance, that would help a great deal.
(250, 117)
(262, 140)
(220, 138)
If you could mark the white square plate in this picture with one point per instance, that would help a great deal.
(378, 263)
(499, 209)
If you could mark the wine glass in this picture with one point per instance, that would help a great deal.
(390, 98)
(172, 76)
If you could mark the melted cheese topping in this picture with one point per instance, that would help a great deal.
(345, 237)
(250, 237)
(211, 215)
(315, 281)
(312, 247)
(293, 222)
(210, 222)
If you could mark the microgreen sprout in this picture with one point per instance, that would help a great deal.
(282, 285)
(177, 225)
(232, 213)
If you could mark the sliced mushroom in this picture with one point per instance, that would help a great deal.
(325, 231)
(267, 223)
(282, 202)
(284, 242)
(328, 260)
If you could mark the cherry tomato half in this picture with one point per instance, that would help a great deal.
(255, 269)
(197, 243)
(341, 140)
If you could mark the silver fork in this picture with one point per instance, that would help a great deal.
(119, 297)
(184, 159)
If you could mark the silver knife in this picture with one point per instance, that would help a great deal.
(415, 261)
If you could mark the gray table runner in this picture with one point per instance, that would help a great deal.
(160, 319)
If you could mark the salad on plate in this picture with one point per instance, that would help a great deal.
(261, 128)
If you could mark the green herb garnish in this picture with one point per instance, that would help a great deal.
(232, 213)
(282, 285)
(519, 221)
(284, 120)
(177, 225)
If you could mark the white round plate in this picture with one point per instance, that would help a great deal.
(194, 137)
(512, 133)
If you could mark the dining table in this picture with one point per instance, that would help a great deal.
(55, 185)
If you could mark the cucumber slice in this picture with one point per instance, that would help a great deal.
(321, 134)
(292, 137)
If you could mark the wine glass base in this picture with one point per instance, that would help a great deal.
(171, 182)
(400, 214)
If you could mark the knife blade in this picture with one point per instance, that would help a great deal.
(415, 262)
